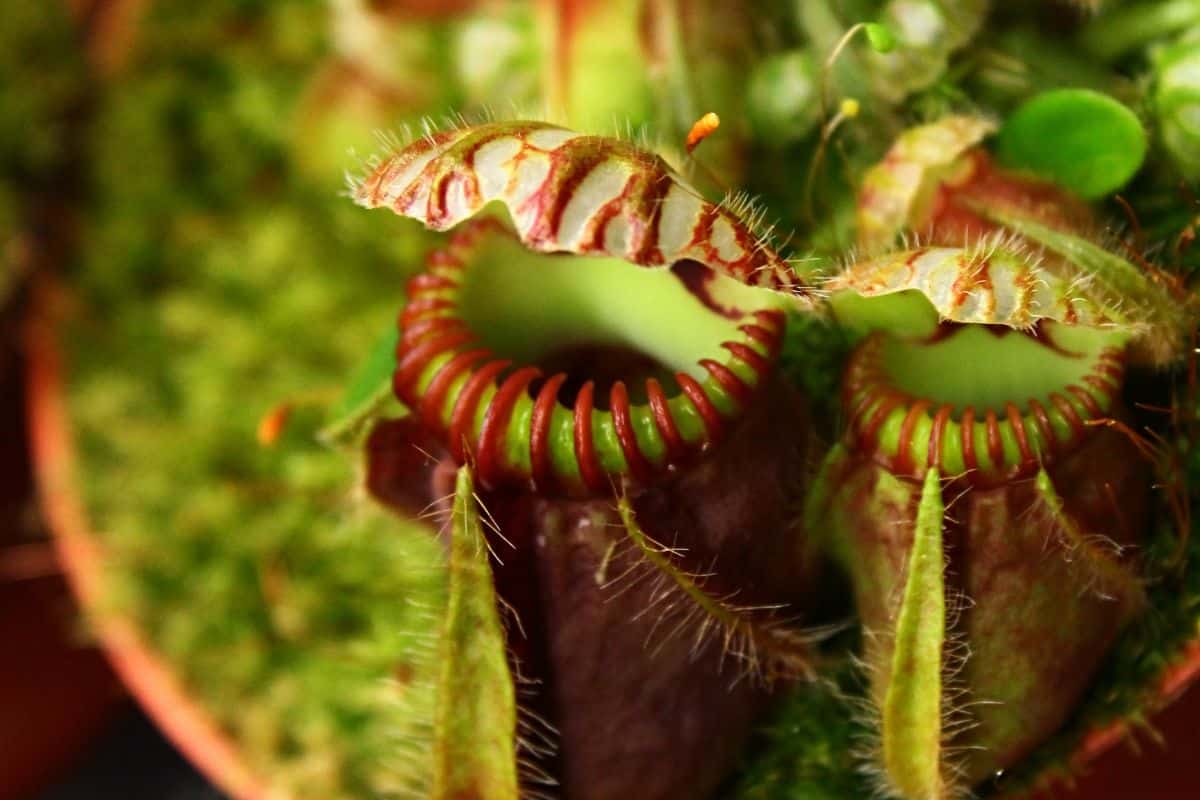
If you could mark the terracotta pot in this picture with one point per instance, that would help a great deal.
(143, 672)
(56, 692)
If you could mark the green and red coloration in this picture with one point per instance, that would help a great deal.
(894, 195)
(992, 282)
(625, 528)
(1024, 254)
(508, 419)
(934, 181)
(724, 496)
(986, 492)
(910, 433)
(1029, 586)
(568, 192)
(638, 656)
(983, 502)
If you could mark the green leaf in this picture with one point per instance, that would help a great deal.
(475, 729)
(912, 708)
(1084, 141)
(880, 37)
(369, 388)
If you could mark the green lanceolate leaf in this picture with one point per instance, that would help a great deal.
(369, 388)
(1084, 141)
(912, 708)
(474, 753)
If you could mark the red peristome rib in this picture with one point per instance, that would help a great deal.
(421, 306)
(541, 469)
(904, 459)
(1068, 410)
(772, 320)
(664, 420)
(729, 381)
(758, 333)
(870, 431)
(493, 433)
(704, 407)
(618, 401)
(1085, 397)
(1105, 385)
(442, 258)
(1018, 426)
(429, 282)
(463, 417)
(748, 355)
(968, 439)
(414, 361)
(1043, 421)
(994, 444)
(585, 445)
(858, 399)
(435, 394)
(940, 420)
(1111, 366)
(412, 334)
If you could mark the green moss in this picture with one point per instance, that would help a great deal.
(814, 352)
(809, 749)
(214, 283)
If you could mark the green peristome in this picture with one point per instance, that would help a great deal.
(474, 748)
(1085, 141)
(528, 306)
(969, 369)
(525, 305)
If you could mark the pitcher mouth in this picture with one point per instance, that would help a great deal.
(955, 403)
(499, 348)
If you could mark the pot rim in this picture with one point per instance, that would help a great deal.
(142, 670)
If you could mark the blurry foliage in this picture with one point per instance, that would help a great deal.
(214, 281)
(41, 75)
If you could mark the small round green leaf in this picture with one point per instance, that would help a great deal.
(880, 37)
(1084, 141)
